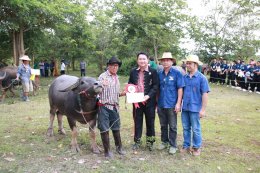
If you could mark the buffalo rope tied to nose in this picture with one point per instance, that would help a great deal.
(87, 113)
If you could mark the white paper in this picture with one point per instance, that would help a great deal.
(134, 97)
(35, 71)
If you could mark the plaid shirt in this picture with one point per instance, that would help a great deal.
(110, 94)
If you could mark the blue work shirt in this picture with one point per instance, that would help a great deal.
(223, 67)
(213, 65)
(24, 72)
(238, 66)
(195, 87)
(169, 85)
(243, 67)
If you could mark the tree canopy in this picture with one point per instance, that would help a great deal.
(96, 30)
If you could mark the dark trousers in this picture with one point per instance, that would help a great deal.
(82, 72)
(223, 78)
(258, 83)
(211, 74)
(138, 114)
(168, 122)
(229, 78)
(46, 71)
(252, 84)
(51, 71)
(218, 77)
(233, 78)
(242, 82)
(42, 72)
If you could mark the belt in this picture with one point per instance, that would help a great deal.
(103, 104)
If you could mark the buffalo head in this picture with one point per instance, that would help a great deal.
(85, 85)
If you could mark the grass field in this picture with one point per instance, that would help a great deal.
(231, 139)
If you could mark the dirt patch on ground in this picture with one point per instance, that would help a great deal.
(255, 142)
(230, 150)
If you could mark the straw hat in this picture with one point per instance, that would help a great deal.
(193, 58)
(25, 58)
(166, 55)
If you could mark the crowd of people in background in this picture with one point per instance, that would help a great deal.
(238, 74)
(46, 68)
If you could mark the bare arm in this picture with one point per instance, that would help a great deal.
(204, 104)
(178, 104)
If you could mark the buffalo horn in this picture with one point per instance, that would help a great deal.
(2, 77)
(71, 87)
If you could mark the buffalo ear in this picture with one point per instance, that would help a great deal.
(71, 87)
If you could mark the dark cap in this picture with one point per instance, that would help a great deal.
(114, 60)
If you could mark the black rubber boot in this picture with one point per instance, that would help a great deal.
(118, 142)
(106, 144)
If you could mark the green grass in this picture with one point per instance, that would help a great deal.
(231, 139)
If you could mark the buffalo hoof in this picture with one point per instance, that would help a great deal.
(62, 131)
(75, 148)
(49, 132)
(96, 150)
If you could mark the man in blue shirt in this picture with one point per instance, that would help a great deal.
(195, 98)
(169, 102)
(24, 73)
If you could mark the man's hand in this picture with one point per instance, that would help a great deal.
(146, 97)
(177, 108)
(202, 113)
(123, 93)
(105, 82)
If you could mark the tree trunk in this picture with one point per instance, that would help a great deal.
(101, 59)
(155, 47)
(18, 45)
(73, 63)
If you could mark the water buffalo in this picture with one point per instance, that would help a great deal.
(7, 80)
(76, 98)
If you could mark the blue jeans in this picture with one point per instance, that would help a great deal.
(191, 124)
(168, 122)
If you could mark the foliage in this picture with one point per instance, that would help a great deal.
(228, 29)
(127, 65)
(154, 24)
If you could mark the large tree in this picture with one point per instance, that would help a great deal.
(19, 16)
(229, 29)
(154, 24)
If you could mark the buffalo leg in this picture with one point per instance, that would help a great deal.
(12, 91)
(50, 129)
(92, 134)
(60, 124)
(3, 95)
(74, 134)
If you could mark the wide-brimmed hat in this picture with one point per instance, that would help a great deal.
(167, 55)
(25, 58)
(193, 58)
(114, 60)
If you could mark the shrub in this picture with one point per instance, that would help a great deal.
(127, 65)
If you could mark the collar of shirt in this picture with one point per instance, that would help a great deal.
(196, 74)
(146, 69)
(170, 71)
(108, 73)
